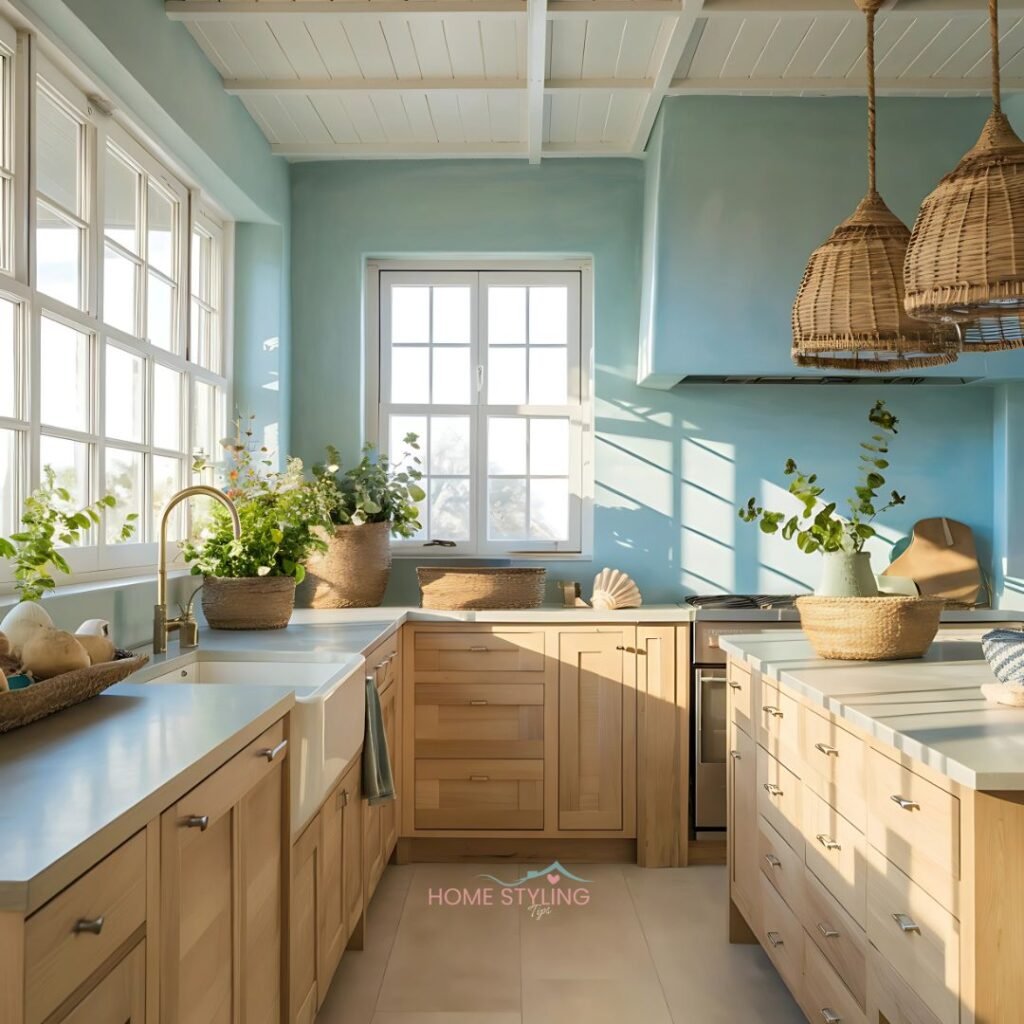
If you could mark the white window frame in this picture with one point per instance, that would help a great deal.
(377, 408)
(33, 57)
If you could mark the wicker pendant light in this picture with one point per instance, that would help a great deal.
(849, 312)
(965, 262)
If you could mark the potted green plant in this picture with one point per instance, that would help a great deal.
(369, 503)
(250, 583)
(816, 527)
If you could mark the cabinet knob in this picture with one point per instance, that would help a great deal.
(478, 650)
(827, 931)
(828, 842)
(342, 799)
(905, 803)
(772, 790)
(87, 926)
(906, 923)
(775, 939)
(733, 685)
(771, 709)
(270, 753)
(479, 778)
(199, 821)
(735, 755)
(381, 664)
(477, 703)
(772, 861)
(826, 749)
(829, 1016)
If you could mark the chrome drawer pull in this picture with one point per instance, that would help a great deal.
(735, 755)
(775, 939)
(828, 842)
(907, 805)
(907, 923)
(199, 821)
(772, 860)
(771, 709)
(381, 664)
(771, 789)
(270, 753)
(827, 931)
(478, 650)
(477, 703)
(826, 749)
(85, 926)
(734, 685)
(479, 778)
(342, 799)
(829, 1016)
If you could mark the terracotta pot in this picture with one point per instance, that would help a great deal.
(353, 572)
(253, 602)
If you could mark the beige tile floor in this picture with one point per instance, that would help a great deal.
(650, 947)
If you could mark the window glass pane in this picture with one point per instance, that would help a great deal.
(160, 314)
(506, 446)
(506, 316)
(549, 380)
(125, 395)
(166, 407)
(549, 316)
(160, 231)
(451, 316)
(200, 340)
(10, 378)
(10, 452)
(7, 223)
(120, 284)
(549, 447)
(124, 481)
(58, 256)
(399, 427)
(506, 376)
(549, 509)
(410, 376)
(452, 380)
(166, 481)
(449, 509)
(506, 509)
(410, 316)
(57, 153)
(449, 446)
(208, 416)
(121, 187)
(198, 276)
(65, 372)
(70, 461)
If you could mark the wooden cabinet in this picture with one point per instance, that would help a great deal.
(119, 998)
(597, 730)
(222, 892)
(742, 831)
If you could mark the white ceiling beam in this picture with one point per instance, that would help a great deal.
(845, 8)
(536, 65)
(837, 86)
(229, 10)
(439, 150)
(679, 36)
(312, 86)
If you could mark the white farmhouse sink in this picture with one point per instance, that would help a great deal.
(327, 722)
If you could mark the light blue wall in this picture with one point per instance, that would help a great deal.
(670, 466)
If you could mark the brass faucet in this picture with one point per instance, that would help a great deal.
(162, 626)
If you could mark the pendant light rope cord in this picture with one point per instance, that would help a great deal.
(993, 31)
(870, 57)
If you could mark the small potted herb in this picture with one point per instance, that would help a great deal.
(816, 527)
(369, 503)
(250, 583)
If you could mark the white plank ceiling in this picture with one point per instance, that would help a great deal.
(538, 78)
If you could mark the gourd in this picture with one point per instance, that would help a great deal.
(99, 648)
(50, 652)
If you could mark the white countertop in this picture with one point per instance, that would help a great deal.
(77, 784)
(931, 708)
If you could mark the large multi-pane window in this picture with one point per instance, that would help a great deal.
(105, 374)
(488, 369)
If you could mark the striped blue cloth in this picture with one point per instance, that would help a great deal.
(1004, 649)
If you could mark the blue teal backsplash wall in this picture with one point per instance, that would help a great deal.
(670, 465)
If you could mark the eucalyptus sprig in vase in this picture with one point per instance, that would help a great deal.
(817, 527)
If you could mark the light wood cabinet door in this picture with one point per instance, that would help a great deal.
(389, 811)
(597, 731)
(743, 831)
(352, 849)
(303, 936)
(222, 893)
(120, 998)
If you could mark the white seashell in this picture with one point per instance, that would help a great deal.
(614, 589)
(94, 627)
(23, 621)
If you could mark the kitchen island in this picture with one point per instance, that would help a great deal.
(876, 815)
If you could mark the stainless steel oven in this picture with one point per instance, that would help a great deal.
(710, 721)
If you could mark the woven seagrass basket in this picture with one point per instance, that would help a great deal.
(353, 572)
(451, 589)
(886, 628)
(251, 602)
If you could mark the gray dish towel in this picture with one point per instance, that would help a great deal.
(378, 782)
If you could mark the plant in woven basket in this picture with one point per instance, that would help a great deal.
(49, 522)
(817, 526)
(279, 513)
(375, 490)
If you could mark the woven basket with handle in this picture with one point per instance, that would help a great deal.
(481, 587)
(886, 628)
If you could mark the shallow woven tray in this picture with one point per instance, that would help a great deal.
(885, 628)
(19, 707)
(501, 587)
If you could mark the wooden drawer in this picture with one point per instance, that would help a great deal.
(488, 720)
(778, 726)
(917, 936)
(825, 997)
(778, 799)
(916, 825)
(740, 686)
(382, 661)
(835, 852)
(67, 939)
(834, 765)
(837, 935)
(479, 794)
(455, 653)
(781, 935)
(890, 998)
(781, 865)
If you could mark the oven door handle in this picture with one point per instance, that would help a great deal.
(701, 676)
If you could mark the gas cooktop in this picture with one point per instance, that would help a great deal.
(763, 601)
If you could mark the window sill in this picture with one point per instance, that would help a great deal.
(449, 555)
(86, 583)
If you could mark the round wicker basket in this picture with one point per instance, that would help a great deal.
(354, 570)
(887, 628)
(450, 589)
(252, 602)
